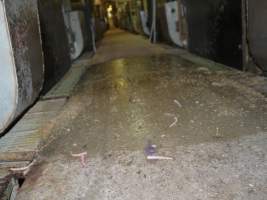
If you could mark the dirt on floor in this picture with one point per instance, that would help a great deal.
(120, 44)
(212, 125)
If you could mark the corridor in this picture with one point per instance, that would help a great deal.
(139, 100)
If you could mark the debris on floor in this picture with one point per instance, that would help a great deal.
(177, 103)
(159, 158)
(82, 157)
(175, 119)
(150, 151)
(174, 123)
(24, 170)
(218, 134)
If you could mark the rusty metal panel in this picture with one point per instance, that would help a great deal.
(21, 62)
(257, 31)
(215, 30)
(163, 33)
(55, 42)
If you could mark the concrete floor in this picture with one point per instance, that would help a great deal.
(218, 143)
(117, 44)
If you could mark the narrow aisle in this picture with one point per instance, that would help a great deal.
(121, 44)
(213, 128)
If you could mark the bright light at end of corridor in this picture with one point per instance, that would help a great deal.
(109, 10)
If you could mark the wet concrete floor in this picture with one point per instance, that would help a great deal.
(213, 127)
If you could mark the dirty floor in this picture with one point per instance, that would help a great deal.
(119, 44)
(213, 127)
